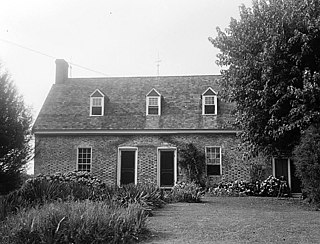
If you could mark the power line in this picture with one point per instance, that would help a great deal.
(50, 56)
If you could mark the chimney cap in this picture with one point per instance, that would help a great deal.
(61, 61)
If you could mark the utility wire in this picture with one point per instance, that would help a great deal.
(50, 56)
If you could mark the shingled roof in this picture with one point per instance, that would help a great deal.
(67, 106)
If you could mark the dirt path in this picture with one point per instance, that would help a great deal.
(235, 220)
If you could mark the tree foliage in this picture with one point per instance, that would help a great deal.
(15, 134)
(271, 64)
(307, 161)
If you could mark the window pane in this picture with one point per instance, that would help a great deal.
(152, 110)
(213, 169)
(209, 100)
(96, 111)
(213, 155)
(96, 101)
(209, 109)
(153, 101)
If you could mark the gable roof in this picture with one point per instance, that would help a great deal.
(153, 93)
(97, 93)
(67, 105)
(209, 92)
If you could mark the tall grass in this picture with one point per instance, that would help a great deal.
(78, 208)
(74, 222)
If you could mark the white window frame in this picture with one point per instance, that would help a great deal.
(135, 149)
(90, 157)
(158, 97)
(148, 104)
(215, 99)
(220, 161)
(92, 98)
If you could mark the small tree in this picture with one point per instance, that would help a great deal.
(15, 134)
(307, 161)
(192, 161)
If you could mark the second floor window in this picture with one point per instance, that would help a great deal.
(153, 103)
(209, 102)
(97, 104)
(209, 105)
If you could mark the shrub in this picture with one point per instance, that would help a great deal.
(307, 162)
(78, 186)
(185, 192)
(147, 195)
(74, 222)
(237, 188)
(49, 188)
(269, 187)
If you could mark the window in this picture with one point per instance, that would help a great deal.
(84, 159)
(153, 103)
(213, 160)
(209, 102)
(97, 103)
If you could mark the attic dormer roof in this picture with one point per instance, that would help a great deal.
(210, 92)
(153, 93)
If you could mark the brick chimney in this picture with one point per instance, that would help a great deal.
(61, 71)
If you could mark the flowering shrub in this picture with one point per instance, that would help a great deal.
(237, 188)
(185, 192)
(269, 187)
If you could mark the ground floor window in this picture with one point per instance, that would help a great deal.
(213, 160)
(84, 159)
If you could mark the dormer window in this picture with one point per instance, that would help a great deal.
(209, 102)
(153, 101)
(97, 103)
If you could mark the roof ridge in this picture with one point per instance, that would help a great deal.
(150, 76)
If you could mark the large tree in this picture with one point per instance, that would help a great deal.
(15, 134)
(271, 63)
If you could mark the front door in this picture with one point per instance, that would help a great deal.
(167, 168)
(284, 167)
(281, 168)
(127, 166)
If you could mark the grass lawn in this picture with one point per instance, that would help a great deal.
(235, 220)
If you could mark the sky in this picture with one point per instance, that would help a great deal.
(108, 38)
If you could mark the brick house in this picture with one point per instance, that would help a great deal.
(129, 129)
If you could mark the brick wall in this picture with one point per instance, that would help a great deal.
(59, 154)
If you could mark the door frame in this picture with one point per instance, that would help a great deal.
(135, 149)
(289, 169)
(175, 168)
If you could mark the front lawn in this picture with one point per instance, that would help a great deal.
(235, 220)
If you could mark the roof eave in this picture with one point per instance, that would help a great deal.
(135, 132)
